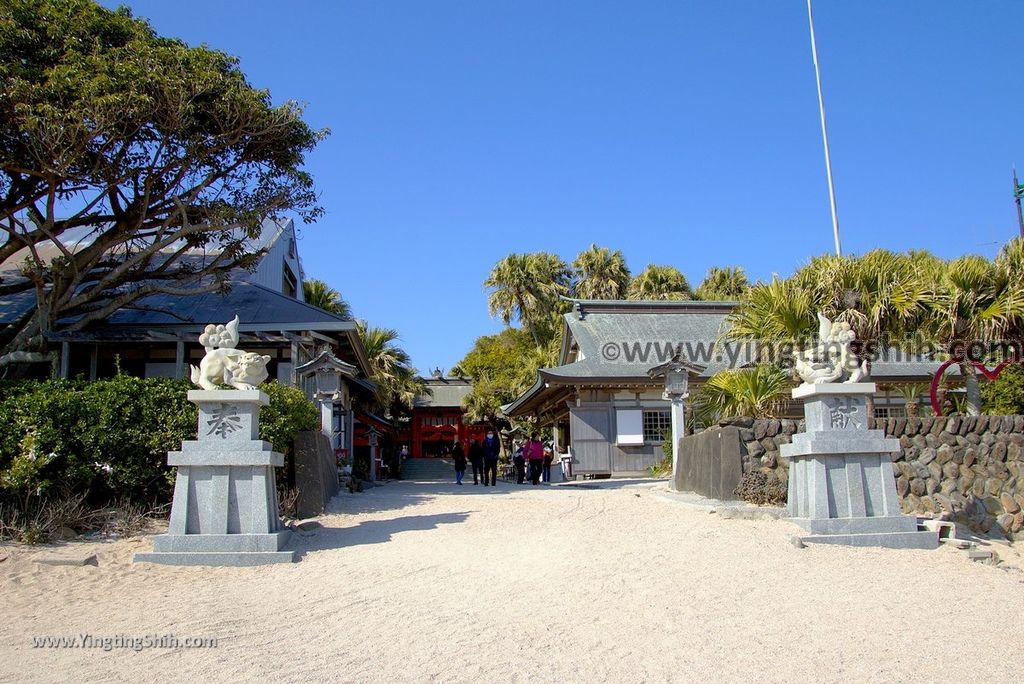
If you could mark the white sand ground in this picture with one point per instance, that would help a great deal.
(430, 582)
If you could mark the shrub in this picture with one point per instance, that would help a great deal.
(103, 438)
(756, 392)
(663, 467)
(288, 414)
(1004, 396)
(108, 439)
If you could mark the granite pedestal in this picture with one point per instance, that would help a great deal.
(841, 484)
(224, 510)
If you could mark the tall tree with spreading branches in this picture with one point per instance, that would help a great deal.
(123, 154)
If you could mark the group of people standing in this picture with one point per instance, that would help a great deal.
(532, 452)
(483, 457)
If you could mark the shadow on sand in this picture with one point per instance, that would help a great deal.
(398, 494)
(321, 538)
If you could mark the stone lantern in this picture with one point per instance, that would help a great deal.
(328, 379)
(676, 374)
(323, 378)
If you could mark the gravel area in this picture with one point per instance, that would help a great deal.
(433, 582)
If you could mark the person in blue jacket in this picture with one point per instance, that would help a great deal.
(492, 449)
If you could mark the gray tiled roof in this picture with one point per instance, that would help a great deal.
(13, 306)
(446, 393)
(259, 308)
(256, 304)
(644, 334)
(624, 340)
(626, 343)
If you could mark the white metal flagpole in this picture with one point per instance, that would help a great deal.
(824, 135)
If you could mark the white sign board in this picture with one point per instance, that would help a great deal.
(629, 427)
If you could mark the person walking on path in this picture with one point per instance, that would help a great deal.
(491, 449)
(476, 459)
(534, 453)
(549, 458)
(519, 462)
(460, 462)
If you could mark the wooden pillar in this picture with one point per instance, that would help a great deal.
(179, 359)
(295, 364)
(94, 360)
(350, 427)
(65, 359)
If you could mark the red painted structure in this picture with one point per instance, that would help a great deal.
(434, 430)
(934, 390)
(437, 419)
(386, 434)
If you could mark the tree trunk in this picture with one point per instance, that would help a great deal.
(970, 374)
(869, 400)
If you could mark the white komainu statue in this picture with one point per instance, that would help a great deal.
(225, 365)
(831, 360)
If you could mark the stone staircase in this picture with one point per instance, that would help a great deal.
(428, 469)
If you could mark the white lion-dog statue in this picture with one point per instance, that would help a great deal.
(225, 365)
(831, 360)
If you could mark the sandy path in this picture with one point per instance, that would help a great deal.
(424, 582)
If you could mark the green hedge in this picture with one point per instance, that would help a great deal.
(110, 438)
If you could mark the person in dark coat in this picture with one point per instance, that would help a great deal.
(491, 449)
(460, 462)
(519, 463)
(476, 459)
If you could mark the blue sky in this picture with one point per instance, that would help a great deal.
(682, 133)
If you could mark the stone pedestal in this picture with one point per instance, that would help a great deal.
(841, 484)
(224, 510)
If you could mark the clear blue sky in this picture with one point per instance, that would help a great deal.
(682, 133)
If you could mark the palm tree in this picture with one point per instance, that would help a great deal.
(1007, 318)
(779, 311)
(600, 274)
(527, 288)
(883, 296)
(973, 303)
(911, 393)
(320, 294)
(659, 282)
(390, 366)
(554, 278)
(757, 392)
(727, 283)
(880, 294)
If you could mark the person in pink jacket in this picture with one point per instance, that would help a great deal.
(533, 452)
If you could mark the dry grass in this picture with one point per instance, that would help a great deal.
(51, 519)
(288, 501)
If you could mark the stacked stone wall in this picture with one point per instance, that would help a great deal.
(965, 468)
